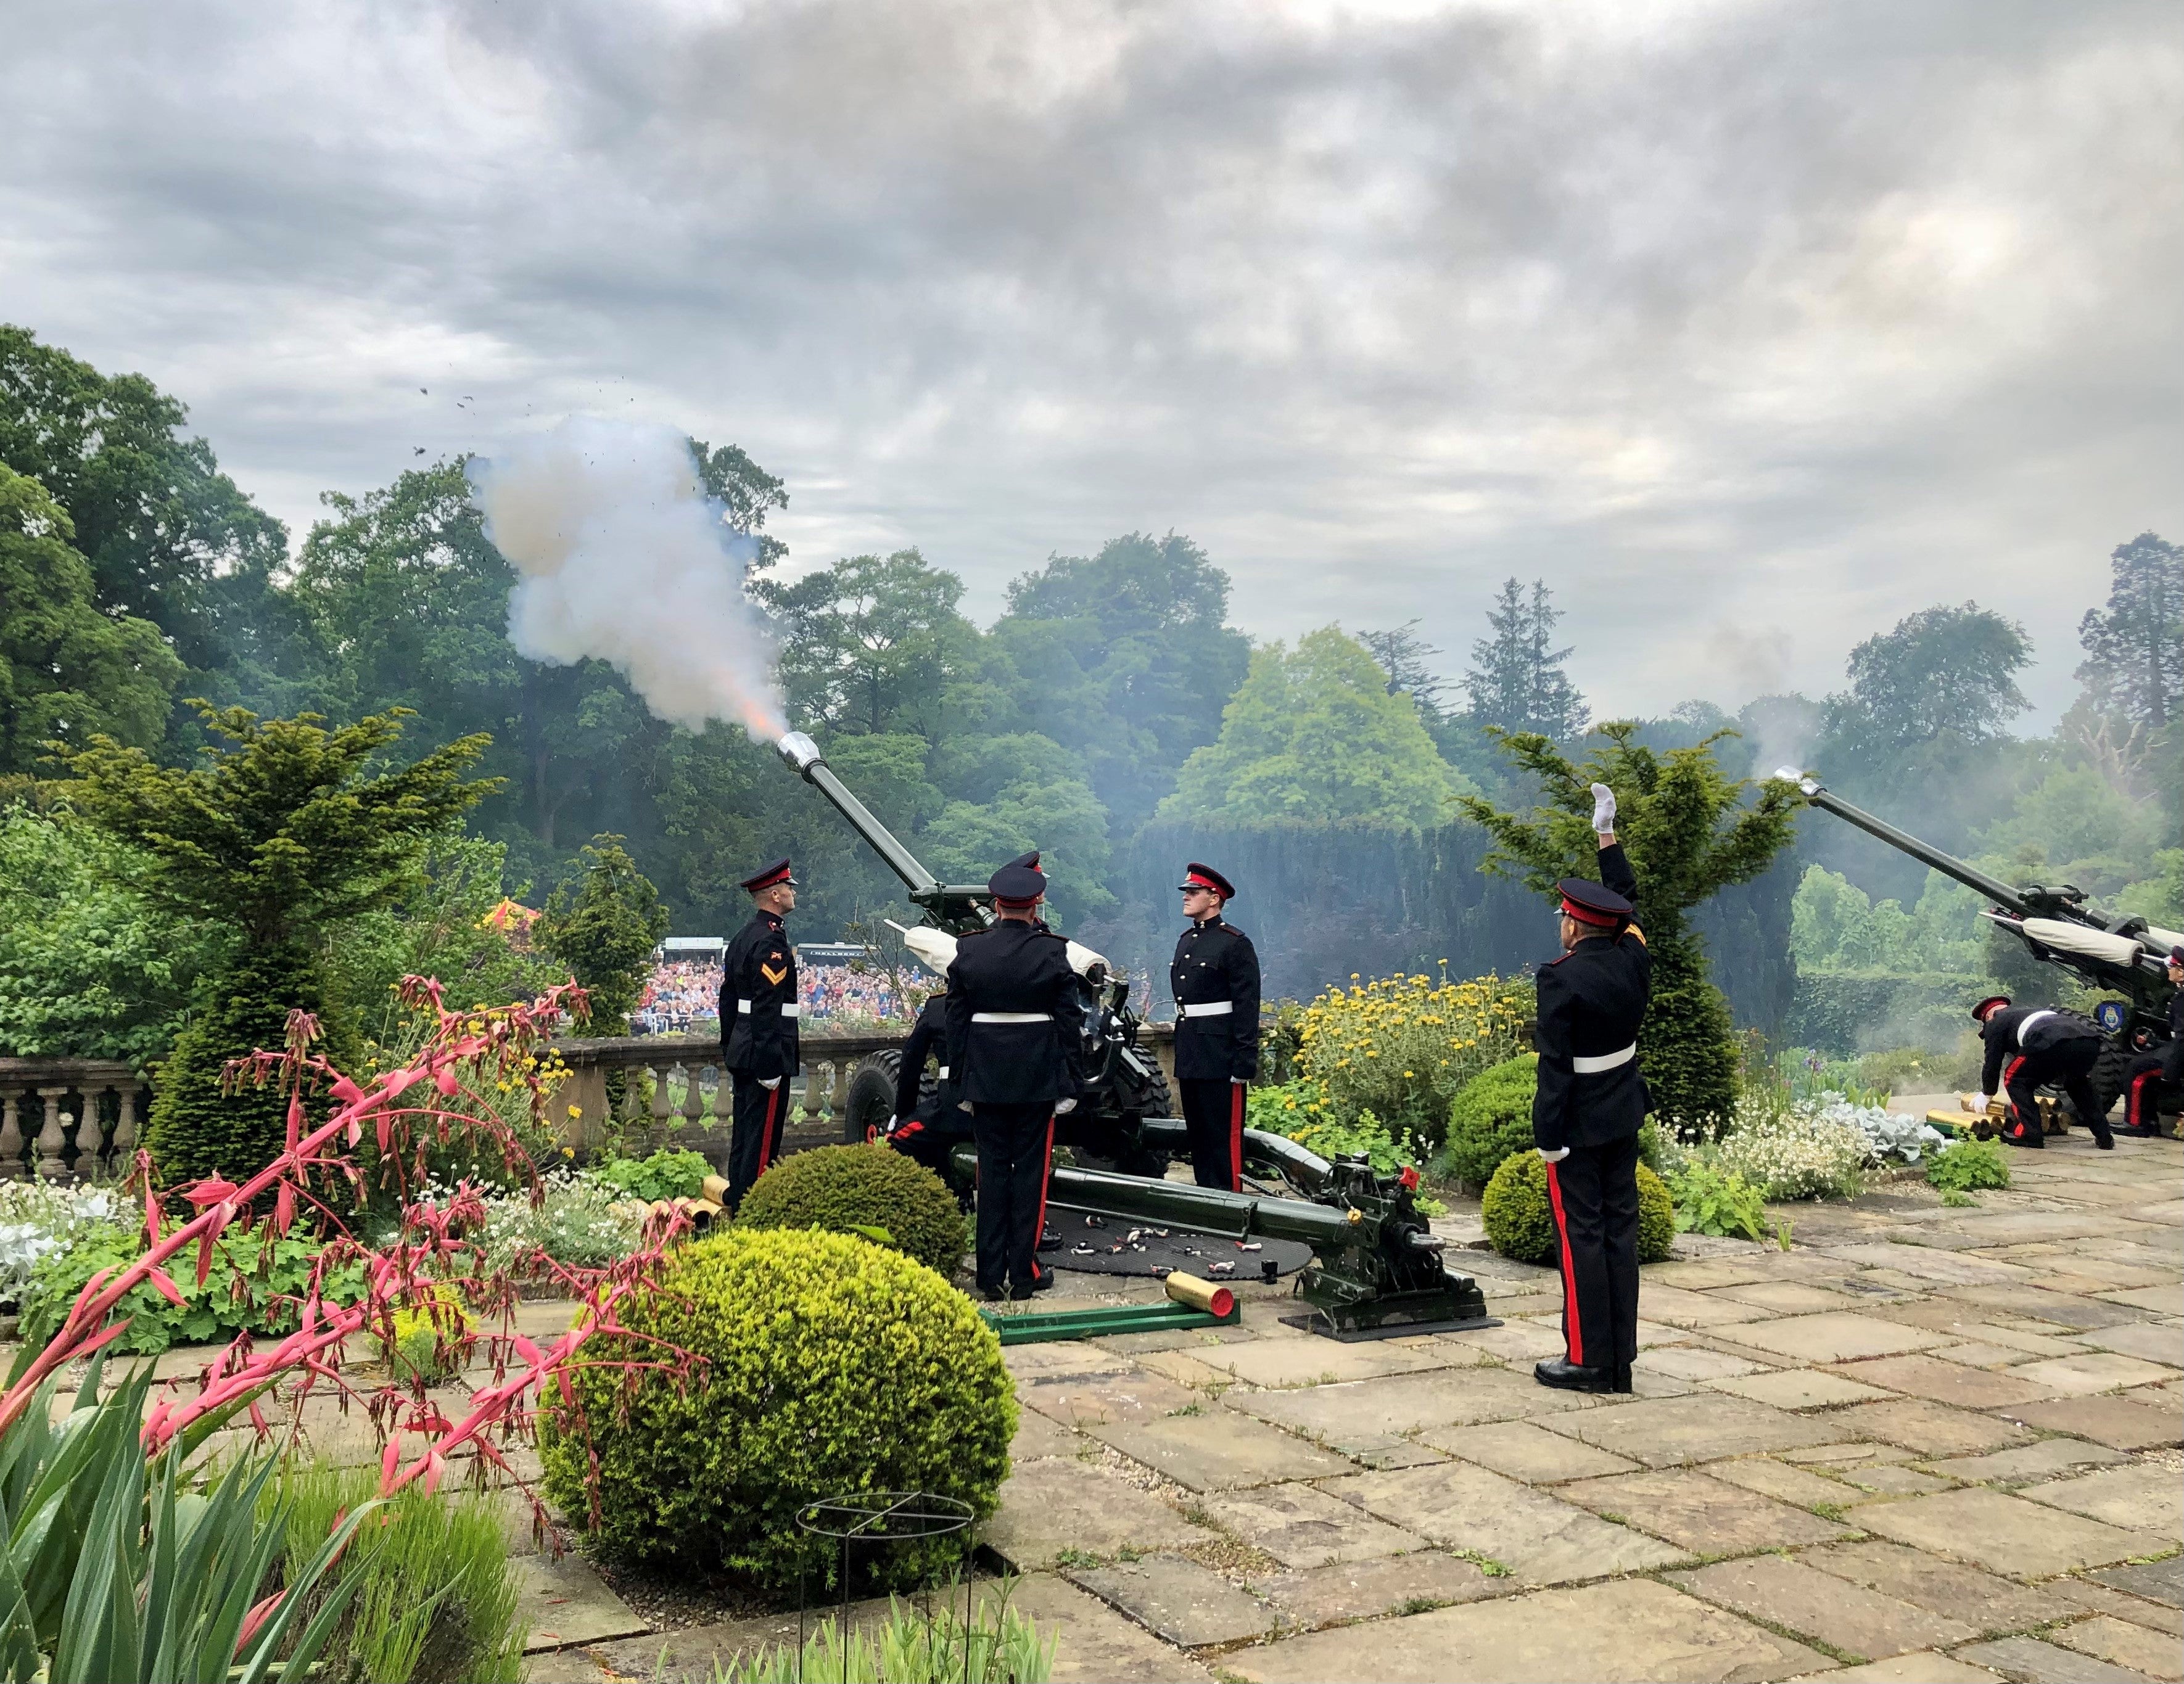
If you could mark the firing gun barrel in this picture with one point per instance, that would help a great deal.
(804, 758)
(1816, 792)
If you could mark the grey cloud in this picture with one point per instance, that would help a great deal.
(1718, 316)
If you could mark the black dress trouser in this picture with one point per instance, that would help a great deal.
(755, 1139)
(2068, 1064)
(2142, 1086)
(1593, 1195)
(1016, 1149)
(1213, 1112)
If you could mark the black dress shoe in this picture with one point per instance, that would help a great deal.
(1024, 1289)
(1569, 1377)
(992, 1295)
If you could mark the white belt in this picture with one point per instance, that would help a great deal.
(1012, 1017)
(744, 1007)
(1211, 1008)
(2027, 1024)
(1606, 1061)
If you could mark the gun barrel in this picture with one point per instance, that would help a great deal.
(2001, 893)
(803, 756)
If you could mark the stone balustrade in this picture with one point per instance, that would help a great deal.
(69, 1119)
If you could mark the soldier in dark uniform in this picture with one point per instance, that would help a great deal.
(927, 1129)
(2149, 1070)
(758, 1026)
(1011, 1052)
(1586, 1115)
(2027, 1048)
(1215, 979)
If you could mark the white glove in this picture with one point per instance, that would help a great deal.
(1236, 1081)
(770, 1085)
(1063, 1107)
(1554, 1156)
(1603, 811)
(1980, 1103)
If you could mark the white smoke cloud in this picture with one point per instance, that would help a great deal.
(625, 559)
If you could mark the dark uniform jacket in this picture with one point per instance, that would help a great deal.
(2027, 1029)
(1593, 1001)
(758, 1001)
(1012, 1013)
(1215, 979)
(929, 1039)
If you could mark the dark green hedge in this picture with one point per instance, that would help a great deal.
(1847, 1012)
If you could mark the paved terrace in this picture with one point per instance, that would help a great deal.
(1924, 1443)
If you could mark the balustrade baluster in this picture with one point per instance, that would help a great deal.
(693, 1096)
(12, 1166)
(125, 1126)
(90, 1134)
(52, 1143)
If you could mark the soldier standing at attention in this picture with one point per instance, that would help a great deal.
(758, 1026)
(1009, 1053)
(1586, 1113)
(1215, 979)
(2040, 1046)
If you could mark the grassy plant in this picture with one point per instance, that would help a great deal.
(998, 1645)
(435, 1597)
(1710, 1201)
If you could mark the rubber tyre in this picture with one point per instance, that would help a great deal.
(2110, 1072)
(871, 1100)
(1160, 1101)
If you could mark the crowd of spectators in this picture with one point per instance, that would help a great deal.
(683, 996)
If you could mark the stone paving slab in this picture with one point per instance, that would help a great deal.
(1787, 1298)
(1705, 1516)
(1936, 1267)
(1523, 1450)
(2117, 1422)
(2003, 1533)
(1540, 1539)
(2093, 1371)
(1039, 1435)
(1933, 1429)
(1678, 1306)
(1695, 1363)
(2059, 1309)
(2158, 1581)
(1178, 1599)
(2157, 1342)
(1670, 1431)
(1771, 1478)
(1408, 1403)
(1837, 1457)
(1819, 1607)
(1098, 1644)
(564, 1603)
(1219, 1451)
(1309, 1361)
(1523, 1342)
(2162, 1300)
(1300, 1526)
(1921, 1668)
(1894, 1481)
(1082, 1401)
(1982, 1600)
(1060, 1503)
(2027, 1660)
(1949, 1382)
(1836, 1337)
(2121, 1644)
(2139, 1499)
(2099, 1598)
(1800, 1388)
(1617, 1632)
(1365, 1590)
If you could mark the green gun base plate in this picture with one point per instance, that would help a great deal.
(1031, 1329)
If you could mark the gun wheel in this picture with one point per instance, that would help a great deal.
(871, 1100)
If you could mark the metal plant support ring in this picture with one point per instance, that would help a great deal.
(881, 1519)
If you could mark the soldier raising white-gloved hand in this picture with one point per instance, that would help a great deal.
(1603, 811)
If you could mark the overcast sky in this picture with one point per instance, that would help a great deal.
(1750, 327)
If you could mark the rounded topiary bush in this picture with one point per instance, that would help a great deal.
(844, 1188)
(1491, 1118)
(1520, 1224)
(831, 1365)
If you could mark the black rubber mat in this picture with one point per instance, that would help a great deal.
(1113, 1245)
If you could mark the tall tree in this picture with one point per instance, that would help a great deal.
(1689, 831)
(67, 671)
(1314, 737)
(872, 644)
(1407, 659)
(1516, 682)
(167, 535)
(748, 494)
(2135, 647)
(1942, 673)
(605, 926)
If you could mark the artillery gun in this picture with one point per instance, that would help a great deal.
(2058, 926)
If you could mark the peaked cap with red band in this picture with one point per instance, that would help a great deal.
(1016, 886)
(1198, 876)
(1591, 903)
(766, 876)
(1980, 1010)
(1030, 859)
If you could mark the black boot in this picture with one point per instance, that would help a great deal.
(1565, 1375)
(2017, 1134)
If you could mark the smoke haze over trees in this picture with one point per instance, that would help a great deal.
(1112, 715)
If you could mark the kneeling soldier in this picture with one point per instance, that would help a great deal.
(2040, 1046)
(2149, 1070)
(1586, 1115)
(1010, 1051)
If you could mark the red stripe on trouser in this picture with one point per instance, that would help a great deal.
(2009, 1099)
(766, 1134)
(1574, 1329)
(2134, 1109)
(1236, 1136)
(1046, 1170)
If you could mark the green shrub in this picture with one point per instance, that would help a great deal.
(847, 1188)
(1403, 1047)
(831, 1366)
(1520, 1224)
(427, 1341)
(668, 1173)
(1301, 1111)
(1491, 1117)
(999, 1646)
(1687, 1047)
(437, 1596)
(1711, 1201)
(1963, 1166)
(196, 1129)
